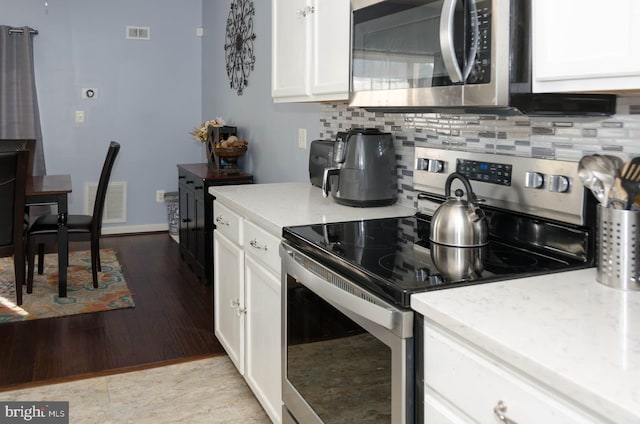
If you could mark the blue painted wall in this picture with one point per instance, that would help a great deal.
(270, 128)
(149, 93)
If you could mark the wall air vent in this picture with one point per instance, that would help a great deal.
(138, 33)
(115, 204)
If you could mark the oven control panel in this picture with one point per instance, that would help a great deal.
(487, 172)
(539, 187)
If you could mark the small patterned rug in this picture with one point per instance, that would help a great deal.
(82, 298)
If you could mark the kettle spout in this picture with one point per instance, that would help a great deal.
(326, 177)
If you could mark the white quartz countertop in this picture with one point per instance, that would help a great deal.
(566, 330)
(277, 205)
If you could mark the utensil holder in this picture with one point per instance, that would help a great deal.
(618, 248)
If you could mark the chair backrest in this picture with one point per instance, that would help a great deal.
(10, 145)
(101, 192)
(13, 181)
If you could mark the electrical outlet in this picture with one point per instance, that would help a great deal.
(302, 138)
(159, 196)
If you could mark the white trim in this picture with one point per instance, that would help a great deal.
(126, 229)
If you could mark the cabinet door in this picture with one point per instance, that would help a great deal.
(331, 35)
(199, 223)
(289, 48)
(263, 336)
(187, 218)
(184, 210)
(228, 298)
(585, 45)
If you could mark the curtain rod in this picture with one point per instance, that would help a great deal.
(21, 31)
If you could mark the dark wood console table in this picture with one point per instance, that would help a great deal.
(196, 213)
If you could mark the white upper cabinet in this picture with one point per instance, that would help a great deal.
(586, 45)
(310, 50)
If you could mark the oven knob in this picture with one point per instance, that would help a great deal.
(429, 165)
(436, 165)
(422, 164)
(533, 180)
(559, 184)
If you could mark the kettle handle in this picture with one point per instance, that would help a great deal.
(471, 196)
(326, 184)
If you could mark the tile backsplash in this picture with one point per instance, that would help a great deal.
(560, 138)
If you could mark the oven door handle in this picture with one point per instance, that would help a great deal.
(346, 295)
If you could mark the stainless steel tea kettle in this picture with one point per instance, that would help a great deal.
(458, 222)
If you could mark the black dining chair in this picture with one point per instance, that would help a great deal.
(13, 181)
(80, 227)
(29, 145)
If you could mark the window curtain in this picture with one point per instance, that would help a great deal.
(19, 113)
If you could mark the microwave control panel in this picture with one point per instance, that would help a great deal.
(480, 35)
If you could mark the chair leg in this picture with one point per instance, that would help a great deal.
(31, 257)
(18, 268)
(97, 250)
(41, 258)
(95, 262)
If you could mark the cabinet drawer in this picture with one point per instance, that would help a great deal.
(477, 384)
(262, 245)
(228, 223)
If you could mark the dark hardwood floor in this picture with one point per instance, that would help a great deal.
(172, 321)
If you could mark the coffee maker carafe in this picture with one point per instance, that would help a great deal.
(365, 173)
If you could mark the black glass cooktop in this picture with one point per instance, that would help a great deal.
(394, 258)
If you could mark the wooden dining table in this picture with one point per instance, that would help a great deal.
(48, 190)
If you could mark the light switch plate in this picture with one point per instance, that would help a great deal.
(302, 138)
(79, 116)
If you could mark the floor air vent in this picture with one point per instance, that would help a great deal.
(115, 205)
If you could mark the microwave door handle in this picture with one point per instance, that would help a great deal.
(446, 41)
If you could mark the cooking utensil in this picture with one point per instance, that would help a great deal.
(606, 171)
(586, 173)
(630, 180)
(458, 222)
(618, 196)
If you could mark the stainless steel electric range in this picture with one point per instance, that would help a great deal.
(348, 331)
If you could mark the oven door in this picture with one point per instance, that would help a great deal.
(347, 355)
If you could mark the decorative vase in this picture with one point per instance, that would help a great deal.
(212, 140)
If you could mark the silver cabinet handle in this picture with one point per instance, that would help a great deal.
(302, 13)
(499, 411)
(220, 220)
(254, 243)
(235, 304)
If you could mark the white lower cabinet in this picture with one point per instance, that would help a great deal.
(263, 367)
(247, 304)
(228, 295)
(465, 385)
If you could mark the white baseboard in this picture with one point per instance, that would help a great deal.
(129, 229)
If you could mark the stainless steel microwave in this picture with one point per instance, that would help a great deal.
(462, 54)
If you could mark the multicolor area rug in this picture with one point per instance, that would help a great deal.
(112, 291)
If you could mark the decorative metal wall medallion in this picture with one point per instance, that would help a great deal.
(238, 44)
